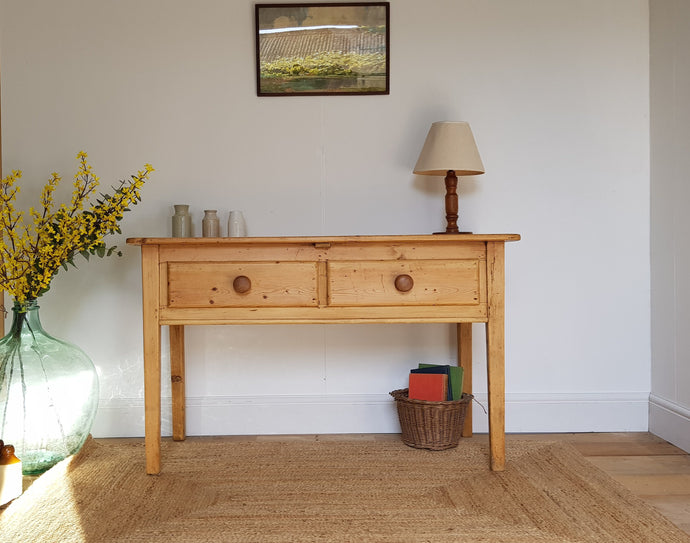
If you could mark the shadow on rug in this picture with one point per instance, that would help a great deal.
(214, 489)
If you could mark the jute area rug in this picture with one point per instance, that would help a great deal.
(217, 490)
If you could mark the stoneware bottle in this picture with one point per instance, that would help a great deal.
(237, 228)
(181, 222)
(210, 224)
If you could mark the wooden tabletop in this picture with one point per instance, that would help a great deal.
(323, 239)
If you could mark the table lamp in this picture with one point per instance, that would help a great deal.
(450, 150)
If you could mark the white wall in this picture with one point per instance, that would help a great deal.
(557, 95)
(670, 137)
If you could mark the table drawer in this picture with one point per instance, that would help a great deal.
(242, 284)
(406, 282)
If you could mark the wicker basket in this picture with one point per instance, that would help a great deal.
(431, 425)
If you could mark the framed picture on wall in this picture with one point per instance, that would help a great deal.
(322, 49)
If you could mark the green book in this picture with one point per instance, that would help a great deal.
(455, 376)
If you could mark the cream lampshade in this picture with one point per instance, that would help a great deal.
(450, 150)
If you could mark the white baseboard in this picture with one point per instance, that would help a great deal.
(372, 413)
(570, 412)
(669, 421)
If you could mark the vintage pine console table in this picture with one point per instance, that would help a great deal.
(455, 278)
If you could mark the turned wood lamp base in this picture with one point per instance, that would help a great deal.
(452, 204)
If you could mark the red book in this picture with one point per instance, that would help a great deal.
(432, 387)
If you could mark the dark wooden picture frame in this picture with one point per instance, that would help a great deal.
(322, 49)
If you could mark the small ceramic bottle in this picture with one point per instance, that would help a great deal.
(10, 474)
(237, 228)
(210, 224)
(181, 222)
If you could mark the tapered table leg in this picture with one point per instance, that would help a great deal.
(464, 335)
(495, 354)
(177, 376)
(152, 357)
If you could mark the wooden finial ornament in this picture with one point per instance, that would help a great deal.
(7, 456)
(10, 474)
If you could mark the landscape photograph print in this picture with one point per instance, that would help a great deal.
(322, 49)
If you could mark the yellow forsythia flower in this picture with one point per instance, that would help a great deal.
(31, 254)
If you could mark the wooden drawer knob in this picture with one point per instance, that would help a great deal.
(404, 283)
(242, 284)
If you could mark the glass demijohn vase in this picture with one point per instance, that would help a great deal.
(48, 392)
